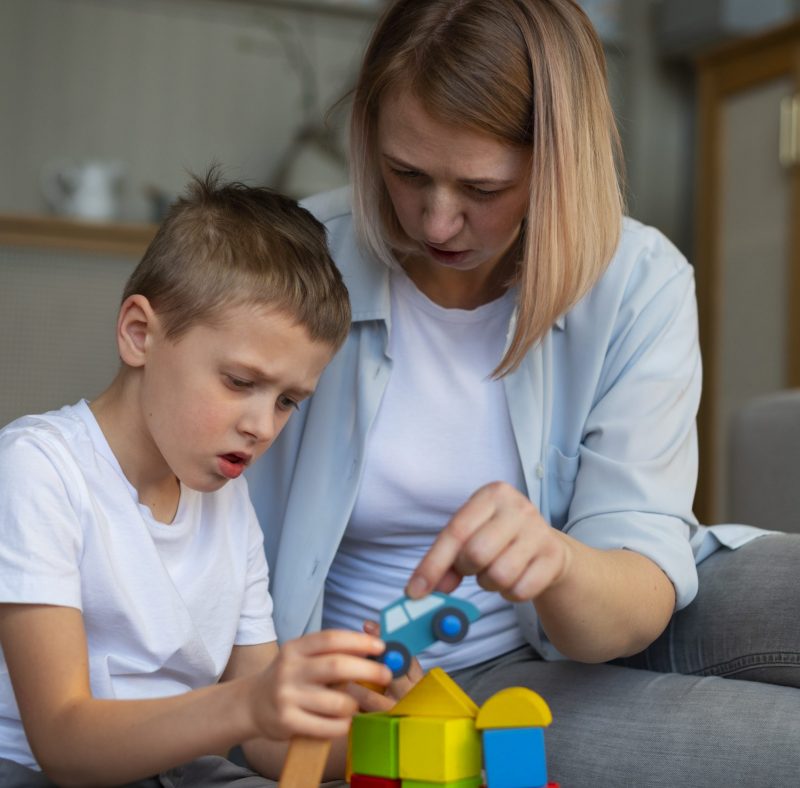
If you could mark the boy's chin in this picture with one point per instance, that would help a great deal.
(207, 485)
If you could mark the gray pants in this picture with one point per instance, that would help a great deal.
(673, 715)
(210, 771)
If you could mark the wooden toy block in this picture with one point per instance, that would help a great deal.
(514, 758)
(435, 695)
(374, 745)
(439, 750)
(514, 707)
(467, 782)
(305, 762)
(370, 781)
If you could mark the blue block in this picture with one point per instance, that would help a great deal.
(514, 758)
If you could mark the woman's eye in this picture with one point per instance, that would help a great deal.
(484, 194)
(409, 175)
(238, 383)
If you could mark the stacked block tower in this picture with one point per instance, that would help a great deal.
(437, 737)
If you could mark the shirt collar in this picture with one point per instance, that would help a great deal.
(370, 298)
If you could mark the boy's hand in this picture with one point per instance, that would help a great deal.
(301, 692)
(369, 699)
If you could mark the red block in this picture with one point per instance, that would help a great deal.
(368, 781)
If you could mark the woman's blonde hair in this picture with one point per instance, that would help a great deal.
(532, 74)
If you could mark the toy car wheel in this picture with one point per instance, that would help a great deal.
(450, 625)
(397, 658)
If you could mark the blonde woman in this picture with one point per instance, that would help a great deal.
(512, 417)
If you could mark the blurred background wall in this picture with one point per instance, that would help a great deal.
(154, 89)
(167, 86)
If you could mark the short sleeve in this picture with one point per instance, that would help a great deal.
(638, 457)
(255, 623)
(41, 538)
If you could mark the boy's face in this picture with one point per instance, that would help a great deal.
(216, 398)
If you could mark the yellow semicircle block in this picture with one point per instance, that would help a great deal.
(514, 707)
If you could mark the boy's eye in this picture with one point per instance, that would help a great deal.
(287, 403)
(238, 383)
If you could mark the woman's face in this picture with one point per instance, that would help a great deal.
(460, 195)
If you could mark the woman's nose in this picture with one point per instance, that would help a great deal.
(442, 219)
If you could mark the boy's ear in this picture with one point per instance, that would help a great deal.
(136, 325)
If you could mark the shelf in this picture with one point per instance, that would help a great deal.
(58, 232)
(368, 9)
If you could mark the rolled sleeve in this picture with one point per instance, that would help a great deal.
(664, 540)
(637, 461)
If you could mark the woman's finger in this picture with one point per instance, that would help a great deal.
(440, 559)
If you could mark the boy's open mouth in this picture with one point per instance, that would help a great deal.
(232, 465)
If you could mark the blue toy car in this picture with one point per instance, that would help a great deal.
(409, 626)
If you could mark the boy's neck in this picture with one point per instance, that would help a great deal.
(120, 419)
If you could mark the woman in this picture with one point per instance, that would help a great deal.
(513, 416)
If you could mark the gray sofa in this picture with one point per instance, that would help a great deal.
(764, 462)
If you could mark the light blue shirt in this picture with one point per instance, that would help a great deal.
(602, 410)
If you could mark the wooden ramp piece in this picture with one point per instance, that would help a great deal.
(304, 763)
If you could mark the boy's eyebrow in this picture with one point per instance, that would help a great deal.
(469, 181)
(259, 376)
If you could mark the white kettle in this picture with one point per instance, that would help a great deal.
(88, 190)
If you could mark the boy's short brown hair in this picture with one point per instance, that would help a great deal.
(231, 244)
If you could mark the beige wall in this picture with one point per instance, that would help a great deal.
(163, 85)
(170, 85)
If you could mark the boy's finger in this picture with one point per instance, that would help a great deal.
(369, 700)
(341, 641)
(339, 668)
(372, 627)
(415, 672)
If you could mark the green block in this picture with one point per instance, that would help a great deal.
(466, 782)
(374, 745)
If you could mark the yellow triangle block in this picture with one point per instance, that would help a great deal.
(514, 707)
(435, 695)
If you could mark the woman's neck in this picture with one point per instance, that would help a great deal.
(460, 289)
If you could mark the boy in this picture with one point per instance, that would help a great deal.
(135, 620)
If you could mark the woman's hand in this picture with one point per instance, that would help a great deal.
(302, 692)
(593, 604)
(499, 536)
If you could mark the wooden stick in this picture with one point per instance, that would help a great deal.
(305, 762)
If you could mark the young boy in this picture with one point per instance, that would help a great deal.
(135, 620)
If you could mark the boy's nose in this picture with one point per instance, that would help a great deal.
(259, 423)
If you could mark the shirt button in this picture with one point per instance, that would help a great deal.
(539, 470)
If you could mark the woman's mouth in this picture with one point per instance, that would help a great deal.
(232, 465)
(445, 256)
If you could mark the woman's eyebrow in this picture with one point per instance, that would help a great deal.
(469, 181)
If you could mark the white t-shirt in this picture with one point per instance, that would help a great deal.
(442, 431)
(163, 605)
